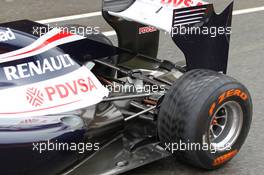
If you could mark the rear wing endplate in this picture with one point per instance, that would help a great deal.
(201, 49)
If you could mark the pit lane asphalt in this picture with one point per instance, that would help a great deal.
(246, 64)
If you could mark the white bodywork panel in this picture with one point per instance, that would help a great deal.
(72, 91)
(156, 13)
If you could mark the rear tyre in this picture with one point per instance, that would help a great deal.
(205, 118)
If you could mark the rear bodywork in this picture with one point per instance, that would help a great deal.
(116, 143)
(200, 50)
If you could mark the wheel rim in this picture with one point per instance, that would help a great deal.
(225, 126)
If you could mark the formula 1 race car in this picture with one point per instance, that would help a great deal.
(73, 104)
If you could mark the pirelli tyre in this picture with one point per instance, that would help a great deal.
(205, 118)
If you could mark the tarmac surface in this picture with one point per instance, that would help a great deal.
(246, 64)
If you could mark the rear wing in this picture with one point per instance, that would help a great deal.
(201, 34)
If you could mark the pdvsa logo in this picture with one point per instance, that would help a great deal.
(7, 35)
(57, 94)
(70, 89)
(34, 97)
(184, 3)
(147, 29)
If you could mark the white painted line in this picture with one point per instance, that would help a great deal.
(112, 33)
(68, 18)
(94, 14)
(250, 10)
